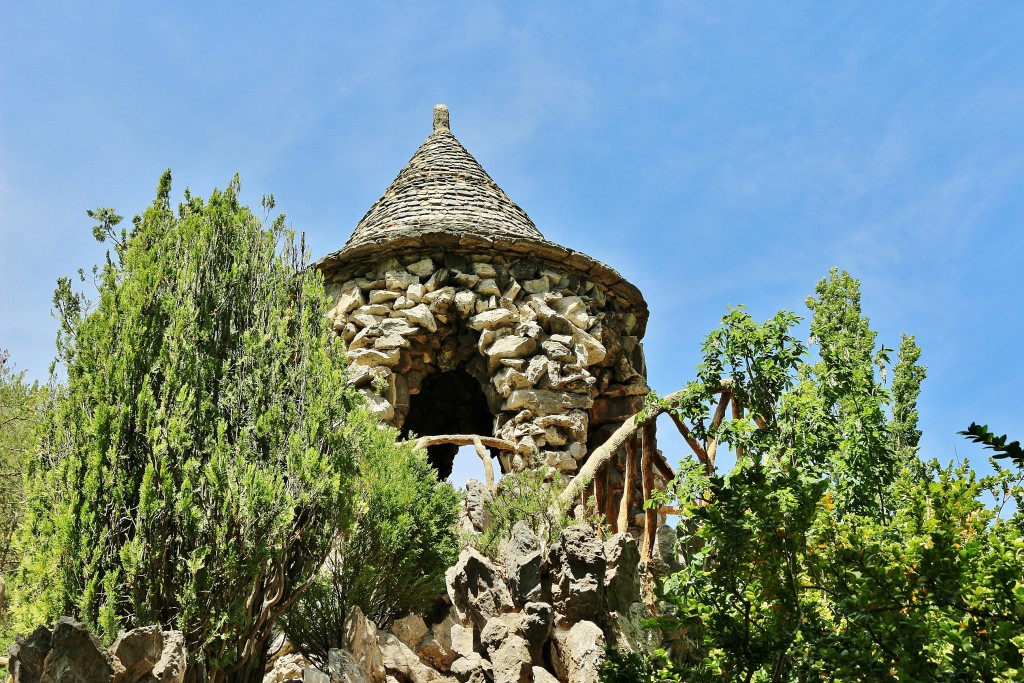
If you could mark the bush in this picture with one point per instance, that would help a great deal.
(198, 459)
(530, 496)
(392, 560)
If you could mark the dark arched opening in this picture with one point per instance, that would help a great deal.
(447, 403)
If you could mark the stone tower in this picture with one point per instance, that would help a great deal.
(461, 319)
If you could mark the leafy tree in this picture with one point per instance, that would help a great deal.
(392, 560)
(197, 461)
(831, 552)
(20, 405)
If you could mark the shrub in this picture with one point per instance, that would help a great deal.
(198, 459)
(392, 560)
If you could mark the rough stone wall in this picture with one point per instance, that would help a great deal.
(558, 359)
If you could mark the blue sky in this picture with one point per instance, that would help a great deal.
(714, 153)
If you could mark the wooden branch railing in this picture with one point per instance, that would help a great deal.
(625, 437)
(480, 444)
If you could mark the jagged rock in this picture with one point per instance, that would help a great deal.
(343, 669)
(361, 643)
(77, 655)
(150, 655)
(622, 576)
(541, 675)
(421, 268)
(420, 315)
(577, 570)
(436, 647)
(27, 655)
(377, 404)
(138, 650)
(488, 320)
(287, 668)
(410, 630)
(397, 280)
(398, 658)
(465, 302)
(311, 674)
(628, 633)
(477, 589)
(512, 661)
(665, 560)
(523, 560)
(535, 626)
(463, 639)
(477, 498)
(472, 669)
(581, 651)
(350, 298)
(512, 346)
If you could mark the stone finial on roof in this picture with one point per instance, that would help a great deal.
(441, 118)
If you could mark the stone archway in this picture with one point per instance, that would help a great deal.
(450, 402)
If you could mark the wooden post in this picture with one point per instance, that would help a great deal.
(628, 484)
(649, 444)
(609, 500)
(486, 458)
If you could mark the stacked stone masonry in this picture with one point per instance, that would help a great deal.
(558, 359)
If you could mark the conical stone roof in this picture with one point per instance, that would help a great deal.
(443, 188)
(444, 199)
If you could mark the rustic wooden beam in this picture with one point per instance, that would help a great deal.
(628, 485)
(463, 440)
(695, 446)
(603, 453)
(648, 448)
(485, 457)
(716, 422)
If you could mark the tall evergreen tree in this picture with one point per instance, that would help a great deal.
(196, 463)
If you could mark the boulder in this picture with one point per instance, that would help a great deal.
(138, 651)
(343, 669)
(464, 640)
(512, 662)
(535, 627)
(77, 655)
(399, 659)
(410, 630)
(436, 648)
(287, 668)
(581, 651)
(628, 633)
(622, 575)
(311, 674)
(362, 646)
(541, 675)
(577, 571)
(472, 669)
(477, 498)
(27, 655)
(477, 589)
(523, 560)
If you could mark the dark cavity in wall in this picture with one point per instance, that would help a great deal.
(448, 403)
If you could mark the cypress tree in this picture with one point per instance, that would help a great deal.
(197, 460)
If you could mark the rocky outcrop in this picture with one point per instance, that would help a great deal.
(70, 653)
(578, 565)
(542, 615)
(476, 589)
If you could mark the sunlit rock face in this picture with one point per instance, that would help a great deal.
(460, 318)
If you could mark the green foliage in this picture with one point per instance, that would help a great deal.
(980, 434)
(20, 407)
(392, 560)
(530, 496)
(197, 461)
(831, 552)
